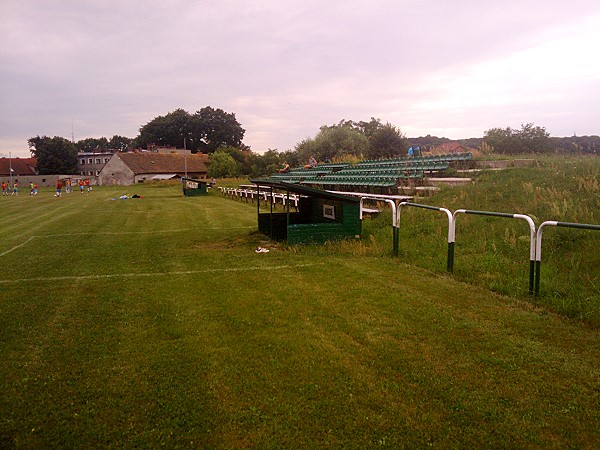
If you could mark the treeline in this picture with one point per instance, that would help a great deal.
(557, 145)
(219, 134)
(347, 140)
(577, 144)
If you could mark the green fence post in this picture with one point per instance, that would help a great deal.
(450, 263)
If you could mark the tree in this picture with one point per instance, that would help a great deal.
(170, 131)
(215, 128)
(371, 139)
(577, 144)
(120, 143)
(91, 144)
(291, 157)
(529, 139)
(367, 128)
(265, 164)
(222, 165)
(205, 131)
(387, 141)
(501, 140)
(305, 149)
(241, 158)
(333, 142)
(55, 155)
(534, 139)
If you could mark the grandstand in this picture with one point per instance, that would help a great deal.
(384, 175)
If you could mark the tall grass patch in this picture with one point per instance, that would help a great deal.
(494, 252)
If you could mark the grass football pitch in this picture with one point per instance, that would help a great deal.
(152, 322)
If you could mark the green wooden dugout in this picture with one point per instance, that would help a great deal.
(319, 216)
(193, 187)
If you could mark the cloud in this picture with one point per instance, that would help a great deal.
(286, 67)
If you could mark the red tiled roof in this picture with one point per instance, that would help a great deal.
(146, 162)
(20, 166)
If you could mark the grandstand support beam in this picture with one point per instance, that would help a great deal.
(450, 259)
(538, 249)
(258, 200)
(287, 210)
(272, 200)
(395, 231)
(532, 236)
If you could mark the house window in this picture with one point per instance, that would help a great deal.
(90, 173)
(83, 172)
(97, 172)
(98, 160)
(90, 161)
(105, 160)
(82, 161)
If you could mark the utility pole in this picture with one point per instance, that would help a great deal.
(185, 157)
(10, 169)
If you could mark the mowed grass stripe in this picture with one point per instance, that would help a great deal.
(17, 246)
(112, 236)
(294, 348)
(154, 274)
(235, 364)
(42, 217)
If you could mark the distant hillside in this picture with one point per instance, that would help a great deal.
(565, 145)
(578, 144)
(428, 142)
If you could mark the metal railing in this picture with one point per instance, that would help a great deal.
(535, 236)
(395, 229)
(450, 260)
(532, 236)
(540, 231)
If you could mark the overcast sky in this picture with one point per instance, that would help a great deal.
(446, 68)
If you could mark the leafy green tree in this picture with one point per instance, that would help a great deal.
(205, 131)
(291, 157)
(170, 130)
(240, 157)
(529, 139)
(367, 128)
(92, 144)
(577, 144)
(55, 155)
(305, 149)
(265, 164)
(215, 128)
(534, 139)
(387, 141)
(120, 143)
(371, 139)
(501, 140)
(222, 165)
(333, 142)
